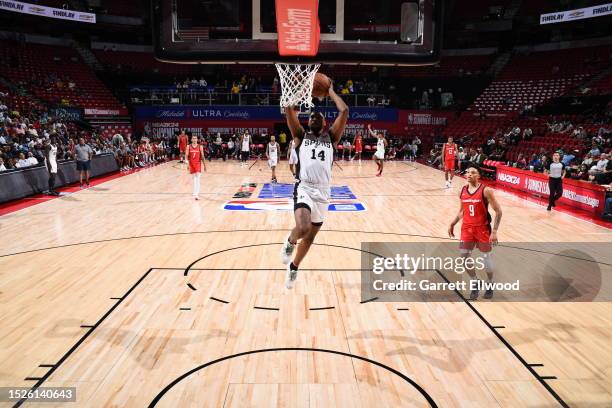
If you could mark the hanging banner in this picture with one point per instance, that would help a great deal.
(577, 14)
(297, 23)
(44, 11)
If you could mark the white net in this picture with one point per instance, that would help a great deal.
(296, 84)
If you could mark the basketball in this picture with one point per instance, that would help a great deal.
(320, 87)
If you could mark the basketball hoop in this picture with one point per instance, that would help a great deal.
(296, 81)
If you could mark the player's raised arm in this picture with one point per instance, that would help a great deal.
(297, 131)
(337, 129)
(372, 133)
(488, 193)
(451, 227)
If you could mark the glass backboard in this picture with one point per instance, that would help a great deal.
(384, 32)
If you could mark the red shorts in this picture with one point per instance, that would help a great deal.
(358, 149)
(449, 165)
(476, 236)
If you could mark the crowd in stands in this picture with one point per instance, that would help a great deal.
(25, 136)
(584, 148)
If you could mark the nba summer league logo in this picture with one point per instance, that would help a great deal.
(279, 197)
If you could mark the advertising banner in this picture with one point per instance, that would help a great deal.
(576, 14)
(44, 11)
(579, 194)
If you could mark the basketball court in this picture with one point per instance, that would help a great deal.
(137, 295)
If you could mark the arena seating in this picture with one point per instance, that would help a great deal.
(535, 78)
(39, 67)
(109, 130)
(603, 86)
(476, 128)
(141, 62)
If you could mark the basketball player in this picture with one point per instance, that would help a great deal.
(272, 150)
(358, 143)
(182, 142)
(379, 155)
(51, 162)
(315, 153)
(449, 153)
(292, 157)
(476, 227)
(245, 149)
(195, 156)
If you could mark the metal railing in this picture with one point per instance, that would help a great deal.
(207, 97)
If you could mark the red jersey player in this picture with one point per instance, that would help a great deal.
(476, 227)
(195, 156)
(358, 143)
(182, 142)
(449, 152)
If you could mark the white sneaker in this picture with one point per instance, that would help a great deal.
(196, 197)
(291, 277)
(287, 251)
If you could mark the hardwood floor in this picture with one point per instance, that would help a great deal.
(112, 258)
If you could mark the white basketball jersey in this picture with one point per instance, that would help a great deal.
(315, 159)
(52, 159)
(380, 145)
(246, 142)
(273, 150)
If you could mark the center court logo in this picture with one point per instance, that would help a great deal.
(279, 197)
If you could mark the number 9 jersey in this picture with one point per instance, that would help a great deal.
(476, 226)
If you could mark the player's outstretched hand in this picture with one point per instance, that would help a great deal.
(494, 237)
(451, 231)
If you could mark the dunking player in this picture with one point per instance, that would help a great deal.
(476, 227)
(379, 155)
(272, 150)
(358, 143)
(182, 143)
(449, 153)
(292, 157)
(315, 152)
(195, 156)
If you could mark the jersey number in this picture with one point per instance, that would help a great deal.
(471, 209)
(321, 155)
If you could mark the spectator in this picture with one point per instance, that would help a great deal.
(2, 167)
(567, 158)
(117, 140)
(461, 158)
(32, 161)
(534, 162)
(600, 167)
(23, 162)
(84, 153)
(608, 207)
(594, 152)
(521, 162)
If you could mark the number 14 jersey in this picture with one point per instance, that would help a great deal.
(315, 159)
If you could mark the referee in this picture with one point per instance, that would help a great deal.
(556, 172)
